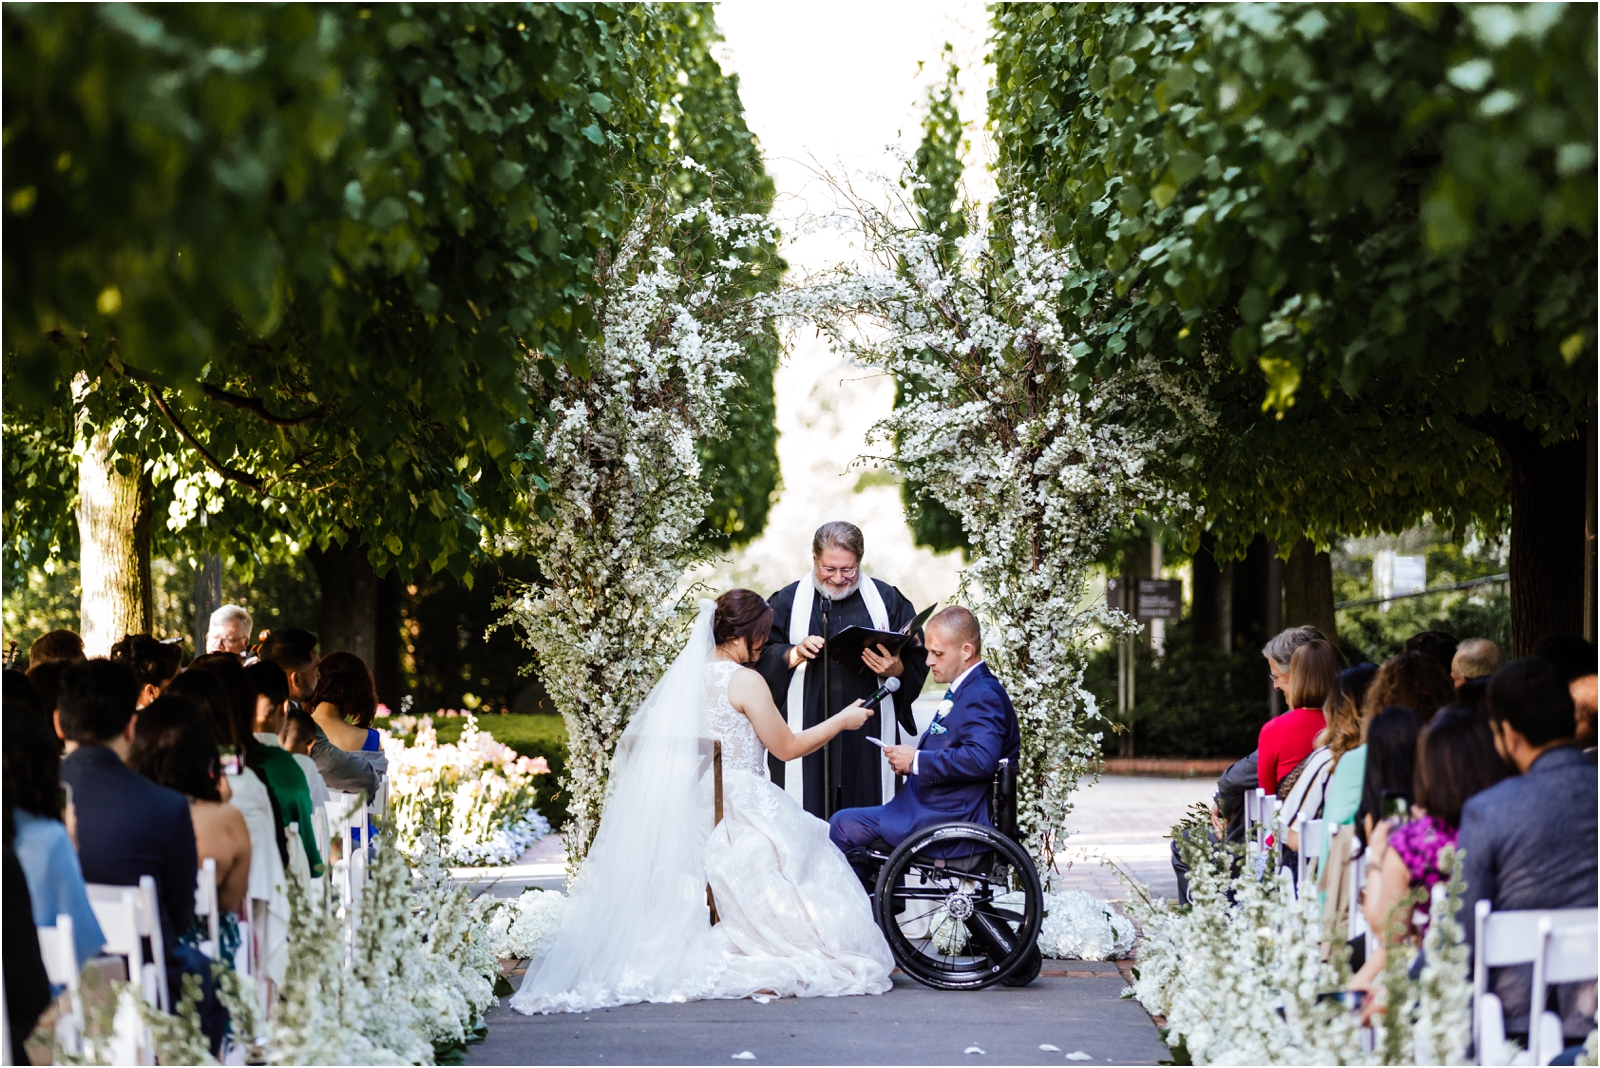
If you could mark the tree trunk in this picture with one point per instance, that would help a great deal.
(1308, 590)
(1547, 534)
(1205, 609)
(1247, 616)
(1591, 618)
(114, 540)
(207, 597)
(386, 666)
(349, 599)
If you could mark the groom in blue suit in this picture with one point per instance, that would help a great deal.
(949, 771)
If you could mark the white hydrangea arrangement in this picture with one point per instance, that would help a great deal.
(1238, 974)
(616, 525)
(1079, 926)
(1037, 460)
(474, 799)
(522, 929)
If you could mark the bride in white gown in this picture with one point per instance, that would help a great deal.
(794, 919)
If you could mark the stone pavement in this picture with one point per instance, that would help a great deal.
(1074, 1006)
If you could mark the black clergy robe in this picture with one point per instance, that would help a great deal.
(856, 764)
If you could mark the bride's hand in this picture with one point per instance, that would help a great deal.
(853, 717)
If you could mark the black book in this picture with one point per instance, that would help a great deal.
(845, 647)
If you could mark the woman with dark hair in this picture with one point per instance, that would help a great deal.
(175, 745)
(1456, 758)
(344, 703)
(1410, 680)
(1288, 739)
(154, 663)
(794, 918)
(40, 819)
(1386, 782)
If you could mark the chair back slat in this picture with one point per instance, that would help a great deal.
(60, 952)
(205, 906)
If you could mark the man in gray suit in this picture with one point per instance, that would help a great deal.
(1530, 840)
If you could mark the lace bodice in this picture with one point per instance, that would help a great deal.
(741, 749)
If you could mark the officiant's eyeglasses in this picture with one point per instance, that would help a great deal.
(842, 572)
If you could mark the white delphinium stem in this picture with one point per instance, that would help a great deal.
(1443, 1028)
(1000, 427)
(625, 502)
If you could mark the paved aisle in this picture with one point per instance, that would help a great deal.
(909, 1025)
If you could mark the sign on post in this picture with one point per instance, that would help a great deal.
(1159, 599)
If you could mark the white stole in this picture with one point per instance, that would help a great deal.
(799, 629)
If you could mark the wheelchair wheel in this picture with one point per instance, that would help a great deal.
(965, 921)
(1027, 971)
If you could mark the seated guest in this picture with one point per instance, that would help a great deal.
(175, 745)
(1456, 760)
(1243, 775)
(1386, 780)
(154, 663)
(1343, 794)
(1531, 840)
(295, 651)
(46, 683)
(1410, 680)
(27, 986)
(1475, 658)
(299, 731)
(1574, 661)
(211, 684)
(20, 694)
(229, 631)
(345, 702)
(1307, 800)
(272, 713)
(35, 799)
(128, 826)
(57, 645)
(1287, 740)
(1436, 645)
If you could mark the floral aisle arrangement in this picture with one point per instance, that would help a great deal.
(616, 526)
(414, 980)
(474, 800)
(1239, 973)
(521, 929)
(1034, 458)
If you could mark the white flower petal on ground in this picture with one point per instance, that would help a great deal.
(745, 1056)
(1077, 1055)
(973, 1049)
(1048, 1048)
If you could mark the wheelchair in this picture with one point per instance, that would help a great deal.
(960, 904)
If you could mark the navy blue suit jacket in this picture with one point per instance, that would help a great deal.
(128, 827)
(956, 767)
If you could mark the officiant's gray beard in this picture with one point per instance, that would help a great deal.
(823, 591)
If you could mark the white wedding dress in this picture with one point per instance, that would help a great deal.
(794, 919)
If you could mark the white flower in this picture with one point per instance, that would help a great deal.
(1079, 926)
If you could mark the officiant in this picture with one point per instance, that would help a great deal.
(809, 686)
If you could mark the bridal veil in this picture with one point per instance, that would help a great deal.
(639, 900)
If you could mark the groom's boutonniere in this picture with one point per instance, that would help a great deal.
(943, 710)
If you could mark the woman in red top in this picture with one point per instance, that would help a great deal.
(1288, 739)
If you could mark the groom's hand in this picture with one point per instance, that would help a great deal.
(900, 758)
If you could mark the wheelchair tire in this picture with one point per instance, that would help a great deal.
(964, 922)
(1027, 971)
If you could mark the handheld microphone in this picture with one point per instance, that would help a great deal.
(890, 685)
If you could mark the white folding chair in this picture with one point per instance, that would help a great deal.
(60, 955)
(1356, 923)
(1252, 816)
(1561, 944)
(1313, 840)
(205, 906)
(127, 915)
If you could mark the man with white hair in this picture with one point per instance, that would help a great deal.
(229, 631)
(807, 688)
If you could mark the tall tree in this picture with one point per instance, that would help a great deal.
(1359, 238)
(298, 267)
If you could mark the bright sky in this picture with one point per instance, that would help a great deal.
(833, 90)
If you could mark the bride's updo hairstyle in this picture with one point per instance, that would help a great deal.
(741, 614)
